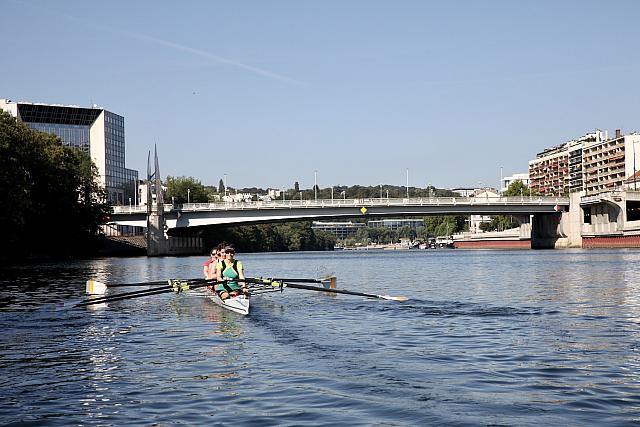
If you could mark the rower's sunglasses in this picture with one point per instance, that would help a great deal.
(229, 251)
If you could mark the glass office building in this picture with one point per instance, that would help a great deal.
(395, 224)
(96, 131)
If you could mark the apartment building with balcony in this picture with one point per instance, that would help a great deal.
(549, 171)
(593, 163)
(609, 163)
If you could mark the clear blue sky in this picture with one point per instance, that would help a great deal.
(269, 91)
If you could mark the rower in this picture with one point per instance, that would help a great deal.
(227, 270)
(207, 265)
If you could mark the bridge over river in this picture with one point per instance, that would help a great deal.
(242, 213)
(188, 215)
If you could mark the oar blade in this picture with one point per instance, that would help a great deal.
(388, 297)
(93, 287)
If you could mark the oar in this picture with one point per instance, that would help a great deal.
(331, 279)
(98, 288)
(283, 279)
(158, 283)
(336, 291)
(176, 286)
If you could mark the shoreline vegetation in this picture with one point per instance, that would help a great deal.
(283, 237)
(52, 202)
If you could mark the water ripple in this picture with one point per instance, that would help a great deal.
(486, 338)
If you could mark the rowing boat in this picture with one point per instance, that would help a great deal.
(238, 304)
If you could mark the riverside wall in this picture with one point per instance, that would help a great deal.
(493, 244)
(608, 226)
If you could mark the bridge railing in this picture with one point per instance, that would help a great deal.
(349, 203)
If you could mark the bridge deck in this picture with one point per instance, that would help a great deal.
(201, 214)
(336, 203)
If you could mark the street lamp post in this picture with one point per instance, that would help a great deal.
(407, 183)
(129, 203)
(635, 180)
(380, 191)
(188, 195)
(173, 200)
(332, 194)
(315, 185)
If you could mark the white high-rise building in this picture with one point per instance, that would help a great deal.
(508, 180)
(94, 130)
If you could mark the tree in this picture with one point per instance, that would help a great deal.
(221, 186)
(292, 236)
(183, 189)
(504, 222)
(407, 232)
(55, 203)
(517, 188)
(296, 187)
(443, 225)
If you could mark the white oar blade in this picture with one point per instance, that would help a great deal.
(393, 298)
(95, 288)
(329, 282)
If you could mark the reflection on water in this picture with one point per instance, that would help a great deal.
(487, 337)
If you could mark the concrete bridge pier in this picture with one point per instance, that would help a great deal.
(157, 241)
(546, 231)
(525, 225)
(559, 230)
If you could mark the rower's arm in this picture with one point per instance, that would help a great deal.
(241, 276)
(218, 272)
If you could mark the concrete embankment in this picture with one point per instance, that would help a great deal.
(508, 239)
(122, 246)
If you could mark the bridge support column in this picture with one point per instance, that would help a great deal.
(157, 242)
(545, 231)
(559, 230)
(571, 222)
(525, 226)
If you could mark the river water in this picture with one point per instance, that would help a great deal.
(487, 338)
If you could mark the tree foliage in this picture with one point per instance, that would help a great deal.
(185, 188)
(506, 222)
(500, 223)
(443, 225)
(518, 188)
(52, 202)
(292, 236)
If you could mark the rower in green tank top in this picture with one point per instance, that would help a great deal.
(226, 270)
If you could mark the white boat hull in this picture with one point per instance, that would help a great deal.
(239, 304)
